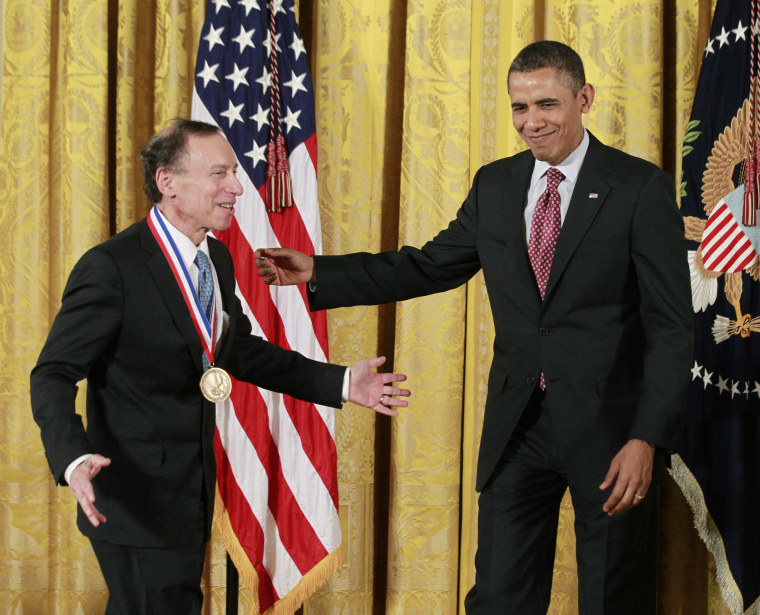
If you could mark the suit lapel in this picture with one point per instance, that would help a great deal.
(521, 172)
(589, 196)
(167, 286)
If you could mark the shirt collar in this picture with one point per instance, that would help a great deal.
(185, 245)
(570, 166)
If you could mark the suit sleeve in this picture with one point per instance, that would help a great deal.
(444, 263)
(660, 259)
(82, 331)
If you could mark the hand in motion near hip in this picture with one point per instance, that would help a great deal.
(283, 266)
(81, 486)
(375, 390)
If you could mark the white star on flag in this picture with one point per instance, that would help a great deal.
(233, 113)
(214, 37)
(298, 48)
(261, 117)
(258, 153)
(265, 80)
(268, 42)
(291, 119)
(244, 39)
(723, 37)
(208, 73)
(296, 83)
(237, 76)
(249, 4)
(220, 3)
(739, 31)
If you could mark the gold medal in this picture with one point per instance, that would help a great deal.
(216, 384)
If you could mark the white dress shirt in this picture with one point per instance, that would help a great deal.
(570, 167)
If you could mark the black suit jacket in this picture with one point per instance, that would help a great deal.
(613, 333)
(123, 325)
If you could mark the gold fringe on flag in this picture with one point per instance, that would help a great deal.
(710, 534)
(288, 604)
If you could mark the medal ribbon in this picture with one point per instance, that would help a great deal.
(205, 329)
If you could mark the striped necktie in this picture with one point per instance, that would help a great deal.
(205, 292)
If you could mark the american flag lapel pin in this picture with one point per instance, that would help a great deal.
(593, 195)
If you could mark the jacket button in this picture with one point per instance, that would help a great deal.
(543, 331)
(530, 380)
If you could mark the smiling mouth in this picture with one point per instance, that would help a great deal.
(227, 206)
(540, 137)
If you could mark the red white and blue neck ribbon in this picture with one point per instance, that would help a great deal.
(205, 329)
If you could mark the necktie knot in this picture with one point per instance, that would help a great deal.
(553, 178)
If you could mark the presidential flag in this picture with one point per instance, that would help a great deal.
(277, 499)
(718, 467)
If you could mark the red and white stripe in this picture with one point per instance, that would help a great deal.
(725, 246)
(276, 456)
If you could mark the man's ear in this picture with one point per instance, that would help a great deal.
(165, 181)
(586, 95)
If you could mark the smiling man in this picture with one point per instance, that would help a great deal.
(151, 320)
(584, 256)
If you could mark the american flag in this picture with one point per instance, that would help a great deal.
(276, 456)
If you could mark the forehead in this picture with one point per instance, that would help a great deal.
(209, 151)
(538, 84)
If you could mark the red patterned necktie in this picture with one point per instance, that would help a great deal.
(544, 231)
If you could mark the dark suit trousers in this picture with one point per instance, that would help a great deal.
(517, 532)
(145, 581)
(154, 581)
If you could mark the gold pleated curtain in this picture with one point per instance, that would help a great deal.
(411, 99)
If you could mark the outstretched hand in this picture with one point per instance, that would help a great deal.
(283, 266)
(631, 474)
(375, 390)
(81, 486)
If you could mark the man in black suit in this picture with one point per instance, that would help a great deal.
(129, 323)
(583, 253)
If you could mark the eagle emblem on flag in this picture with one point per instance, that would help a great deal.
(726, 246)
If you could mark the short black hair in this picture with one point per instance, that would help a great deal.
(551, 54)
(165, 150)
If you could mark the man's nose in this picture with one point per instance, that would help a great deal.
(534, 118)
(235, 187)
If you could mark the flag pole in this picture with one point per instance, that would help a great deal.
(231, 606)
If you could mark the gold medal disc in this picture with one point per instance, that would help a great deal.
(216, 384)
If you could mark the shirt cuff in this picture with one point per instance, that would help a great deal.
(73, 466)
(346, 383)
